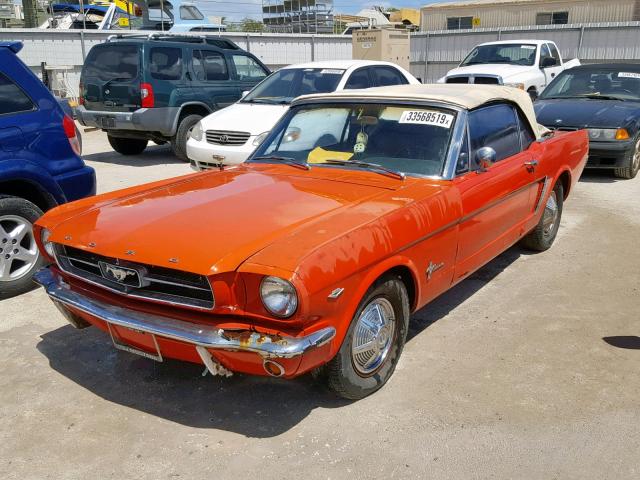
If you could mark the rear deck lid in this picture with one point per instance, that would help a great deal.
(111, 77)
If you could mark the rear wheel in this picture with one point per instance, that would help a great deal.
(541, 238)
(127, 146)
(633, 164)
(19, 255)
(374, 342)
(179, 142)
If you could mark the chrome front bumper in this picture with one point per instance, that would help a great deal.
(268, 346)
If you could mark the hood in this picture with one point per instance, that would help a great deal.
(212, 222)
(500, 69)
(245, 117)
(581, 113)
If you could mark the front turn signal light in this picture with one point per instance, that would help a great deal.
(622, 134)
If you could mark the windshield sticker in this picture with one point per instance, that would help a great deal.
(331, 71)
(427, 117)
(528, 47)
(628, 75)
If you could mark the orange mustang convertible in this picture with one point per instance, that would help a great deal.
(357, 209)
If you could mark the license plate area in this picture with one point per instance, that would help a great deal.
(147, 339)
(106, 122)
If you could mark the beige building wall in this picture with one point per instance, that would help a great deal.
(510, 13)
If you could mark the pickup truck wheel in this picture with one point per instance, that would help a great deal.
(19, 254)
(533, 93)
(541, 238)
(127, 146)
(179, 142)
(373, 344)
(633, 164)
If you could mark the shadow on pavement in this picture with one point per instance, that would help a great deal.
(153, 155)
(252, 406)
(600, 176)
(630, 342)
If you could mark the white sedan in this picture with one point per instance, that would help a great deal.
(228, 136)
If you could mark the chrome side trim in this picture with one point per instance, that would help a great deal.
(266, 345)
(543, 195)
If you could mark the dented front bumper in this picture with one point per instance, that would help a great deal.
(268, 346)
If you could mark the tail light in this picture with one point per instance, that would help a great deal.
(146, 95)
(81, 94)
(69, 127)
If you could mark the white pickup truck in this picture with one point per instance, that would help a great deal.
(526, 64)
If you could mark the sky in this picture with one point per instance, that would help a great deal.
(237, 10)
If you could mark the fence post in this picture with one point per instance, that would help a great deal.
(248, 40)
(313, 48)
(426, 58)
(578, 54)
(84, 54)
(499, 34)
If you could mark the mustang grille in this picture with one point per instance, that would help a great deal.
(223, 137)
(155, 283)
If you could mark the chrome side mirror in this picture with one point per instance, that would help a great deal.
(485, 157)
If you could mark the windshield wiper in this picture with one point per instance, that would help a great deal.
(283, 160)
(373, 166)
(117, 79)
(597, 96)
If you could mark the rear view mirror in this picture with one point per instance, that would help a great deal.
(485, 157)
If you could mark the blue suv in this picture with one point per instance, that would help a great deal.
(40, 166)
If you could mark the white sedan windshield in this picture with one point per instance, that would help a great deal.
(286, 84)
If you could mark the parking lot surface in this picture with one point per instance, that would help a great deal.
(528, 369)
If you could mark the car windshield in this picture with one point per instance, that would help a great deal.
(513, 53)
(112, 62)
(393, 138)
(286, 84)
(598, 84)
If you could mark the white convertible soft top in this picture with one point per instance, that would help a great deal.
(464, 96)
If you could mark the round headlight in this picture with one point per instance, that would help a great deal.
(196, 131)
(48, 246)
(279, 297)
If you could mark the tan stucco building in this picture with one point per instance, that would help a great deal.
(516, 13)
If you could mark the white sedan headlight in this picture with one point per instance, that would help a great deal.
(260, 138)
(279, 297)
(196, 132)
(48, 246)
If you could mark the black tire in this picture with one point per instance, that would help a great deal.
(541, 238)
(533, 93)
(632, 164)
(341, 373)
(179, 141)
(16, 208)
(127, 146)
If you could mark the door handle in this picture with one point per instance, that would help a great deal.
(531, 166)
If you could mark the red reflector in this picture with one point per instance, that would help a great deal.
(81, 94)
(146, 95)
(69, 126)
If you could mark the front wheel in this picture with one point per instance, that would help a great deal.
(541, 238)
(19, 255)
(374, 342)
(633, 164)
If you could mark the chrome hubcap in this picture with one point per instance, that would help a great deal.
(18, 249)
(550, 216)
(373, 336)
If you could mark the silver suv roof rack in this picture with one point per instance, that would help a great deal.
(215, 40)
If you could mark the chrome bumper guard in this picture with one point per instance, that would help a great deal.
(268, 346)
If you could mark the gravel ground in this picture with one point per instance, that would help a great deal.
(528, 369)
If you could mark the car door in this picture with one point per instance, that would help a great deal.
(247, 70)
(359, 78)
(497, 199)
(384, 75)
(550, 71)
(210, 79)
